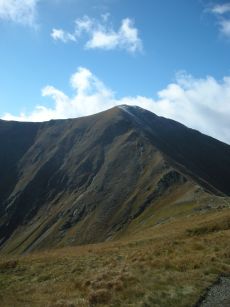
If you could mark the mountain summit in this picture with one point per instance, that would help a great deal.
(86, 180)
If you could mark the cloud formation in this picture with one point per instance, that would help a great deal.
(101, 35)
(221, 8)
(202, 104)
(222, 13)
(59, 34)
(19, 11)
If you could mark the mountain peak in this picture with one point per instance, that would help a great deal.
(92, 175)
(130, 107)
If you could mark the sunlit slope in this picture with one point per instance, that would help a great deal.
(92, 179)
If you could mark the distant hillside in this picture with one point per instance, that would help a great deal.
(86, 180)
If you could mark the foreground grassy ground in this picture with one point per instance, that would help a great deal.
(169, 264)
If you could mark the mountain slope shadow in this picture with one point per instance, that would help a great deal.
(84, 180)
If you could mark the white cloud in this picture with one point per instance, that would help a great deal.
(125, 38)
(19, 11)
(85, 24)
(221, 11)
(103, 40)
(101, 34)
(221, 8)
(225, 27)
(59, 34)
(203, 104)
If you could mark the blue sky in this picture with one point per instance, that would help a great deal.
(68, 58)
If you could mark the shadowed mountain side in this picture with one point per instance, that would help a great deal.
(204, 158)
(15, 139)
(84, 180)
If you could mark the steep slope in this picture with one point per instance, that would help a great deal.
(84, 180)
(204, 158)
(15, 140)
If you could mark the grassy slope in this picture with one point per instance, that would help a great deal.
(167, 263)
(118, 190)
(165, 256)
(83, 180)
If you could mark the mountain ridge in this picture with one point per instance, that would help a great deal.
(84, 180)
(198, 134)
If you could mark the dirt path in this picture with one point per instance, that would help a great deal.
(218, 295)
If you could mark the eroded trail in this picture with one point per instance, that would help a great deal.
(218, 295)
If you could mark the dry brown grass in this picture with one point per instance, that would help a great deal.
(166, 265)
(100, 296)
